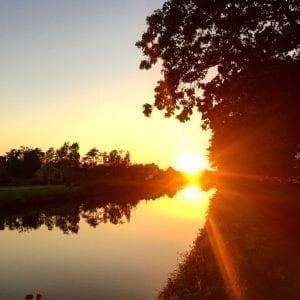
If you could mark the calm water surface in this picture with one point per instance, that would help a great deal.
(87, 256)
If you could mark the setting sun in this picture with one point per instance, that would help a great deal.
(192, 163)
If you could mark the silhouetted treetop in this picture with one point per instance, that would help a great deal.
(193, 37)
(23, 162)
(116, 158)
(68, 154)
(92, 157)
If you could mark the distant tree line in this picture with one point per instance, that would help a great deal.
(28, 165)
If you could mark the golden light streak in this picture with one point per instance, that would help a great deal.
(224, 260)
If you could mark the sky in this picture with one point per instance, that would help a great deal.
(69, 71)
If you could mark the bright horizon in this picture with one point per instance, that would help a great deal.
(69, 72)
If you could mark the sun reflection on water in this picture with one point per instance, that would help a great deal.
(189, 203)
(193, 193)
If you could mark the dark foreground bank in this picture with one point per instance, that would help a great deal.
(248, 249)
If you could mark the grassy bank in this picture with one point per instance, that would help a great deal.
(28, 193)
(22, 195)
(248, 249)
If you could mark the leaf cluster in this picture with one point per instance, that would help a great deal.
(192, 37)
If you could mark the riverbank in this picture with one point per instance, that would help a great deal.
(248, 249)
(31, 193)
(14, 196)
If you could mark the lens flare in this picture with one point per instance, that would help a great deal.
(192, 163)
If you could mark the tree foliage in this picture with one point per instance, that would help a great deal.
(32, 165)
(117, 158)
(23, 162)
(236, 63)
(68, 155)
(92, 158)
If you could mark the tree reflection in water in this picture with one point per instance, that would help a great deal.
(111, 213)
(113, 206)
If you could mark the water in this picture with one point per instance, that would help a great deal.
(115, 250)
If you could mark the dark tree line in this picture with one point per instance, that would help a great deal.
(252, 102)
(113, 158)
(27, 164)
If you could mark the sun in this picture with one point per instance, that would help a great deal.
(192, 163)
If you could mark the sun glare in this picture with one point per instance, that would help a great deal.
(192, 163)
(193, 193)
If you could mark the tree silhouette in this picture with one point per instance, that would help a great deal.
(116, 158)
(68, 160)
(92, 158)
(249, 50)
(68, 154)
(23, 162)
(50, 158)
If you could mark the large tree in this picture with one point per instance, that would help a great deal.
(236, 63)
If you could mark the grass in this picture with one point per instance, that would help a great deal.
(26, 193)
(22, 195)
(248, 249)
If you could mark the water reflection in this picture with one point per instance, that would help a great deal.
(111, 207)
(112, 213)
(129, 261)
(194, 193)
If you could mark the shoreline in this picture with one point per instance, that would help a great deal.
(247, 249)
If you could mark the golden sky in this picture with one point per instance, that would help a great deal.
(69, 72)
